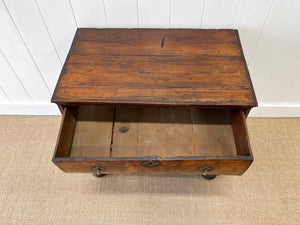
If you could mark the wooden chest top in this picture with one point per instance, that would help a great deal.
(172, 67)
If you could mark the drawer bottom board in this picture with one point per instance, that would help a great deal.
(164, 132)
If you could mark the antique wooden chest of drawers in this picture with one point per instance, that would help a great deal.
(154, 101)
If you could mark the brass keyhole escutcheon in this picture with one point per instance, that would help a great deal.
(151, 163)
(205, 169)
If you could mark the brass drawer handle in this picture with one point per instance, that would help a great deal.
(205, 169)
(151, 163)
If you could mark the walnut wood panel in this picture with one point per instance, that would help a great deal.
(155, 67)
(157, 42)
(66, 132)
(154, 97)
(85, 132)
(93, 132)
(172, 132)
(164, 132)
(225, 166)
(155, 70)
(212, 133)
(239, 128)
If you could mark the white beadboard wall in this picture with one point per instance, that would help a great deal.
(35, 36)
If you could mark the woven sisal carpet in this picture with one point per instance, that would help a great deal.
(34, 191)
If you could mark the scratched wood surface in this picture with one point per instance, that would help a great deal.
(155, 67)
(170, 132)
(164, 132)
(92, 135)
(184, 139)
(142, 132)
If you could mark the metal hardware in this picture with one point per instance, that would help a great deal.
(205, 169)
(151, 163)
(98, 172)
(209, 177)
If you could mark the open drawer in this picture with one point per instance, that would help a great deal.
(153, 140)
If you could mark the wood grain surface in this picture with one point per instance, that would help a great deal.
(93, 132)
(171, 132)
(221, 166)
(181, 67)
(180, 140)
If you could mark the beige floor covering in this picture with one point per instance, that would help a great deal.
(35, 191)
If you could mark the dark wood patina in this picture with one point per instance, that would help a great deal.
(196, 80)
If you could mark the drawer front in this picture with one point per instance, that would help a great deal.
(189, 166)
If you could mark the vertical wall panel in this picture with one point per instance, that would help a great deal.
(186, 14)
(250, 19)
(10, 83)
(272, 43)
(60, 22)
(30, 23)
(89, 13)
(292, 94)
(36, 36)
(17, 54)
(3, 97)
(219, 13)
(121, 13)
(285, 69)
(154, 13)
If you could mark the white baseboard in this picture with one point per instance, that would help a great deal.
(40, 108)
(275, 111)
(52, 109)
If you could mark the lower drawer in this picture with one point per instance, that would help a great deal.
(153, 140)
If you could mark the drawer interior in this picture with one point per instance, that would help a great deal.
(112, 132)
